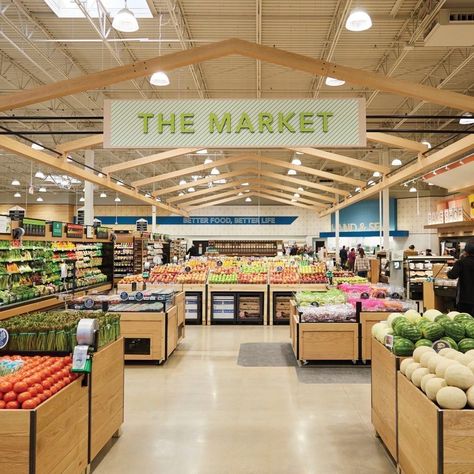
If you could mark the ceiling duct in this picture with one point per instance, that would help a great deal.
(452, 27)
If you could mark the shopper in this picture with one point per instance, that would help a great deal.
(193, 251)
(362, 264)
(351, 259)
(294, 250)
(322, 254)
(343, 256)
(428, 253)
(463, 270)
(410, 252)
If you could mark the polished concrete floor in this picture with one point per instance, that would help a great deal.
(201, 413)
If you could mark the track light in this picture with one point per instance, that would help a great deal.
(466, 119)
(377, 174)
(427, 144)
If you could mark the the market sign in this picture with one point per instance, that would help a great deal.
(217, 123)
(206, 220)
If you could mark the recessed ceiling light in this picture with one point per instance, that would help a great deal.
(396, 162)
(37, 146)
(191, 190)
(40, 175)
(159, 79)
(215, 172)
(208, 161)
(42, 189)
(248, 199)
(413, 189)
(125, 21)
(358, 20)
(15, 182)
(377, 174)
(333, 82)
(39, 199)
(117, 199)
(17, 195)
(296, 161)
(201, 152)
(300, 189)
(103, 195)
(466, 119)
(426, 143)
(182, 182)
(291, 172)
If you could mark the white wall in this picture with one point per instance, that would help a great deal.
(307, 225)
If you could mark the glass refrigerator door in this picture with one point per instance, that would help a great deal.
(193, 308)
(223, 308)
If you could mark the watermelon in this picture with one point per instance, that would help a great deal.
(422, 322)
(442, 317)
(469, 328)
(455, 330)
(466, 344)
(403, 347)
(397, 326)
(410, 331)
(399, 322)
(432, 331)
(423, 342)
(451, 341)
(463, 318)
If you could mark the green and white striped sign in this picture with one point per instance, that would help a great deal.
(230, 123)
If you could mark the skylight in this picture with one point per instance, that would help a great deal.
(69, 9)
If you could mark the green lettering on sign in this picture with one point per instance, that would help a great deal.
(145, 117)
(186, 120)
(166, 123)
(214, 123)
(244, 124)
(306, 120)
(265, 120)
(284, 122)
(325, 116)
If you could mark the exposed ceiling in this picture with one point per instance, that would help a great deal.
(37, 47)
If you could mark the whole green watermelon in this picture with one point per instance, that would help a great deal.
(466, 344)
(398, 323)
(433, 331)
(455, 330)
(451, 341)
(403, 347)
(469, 328)
(463, 318)
(423, 342)
(410, 331)
(442, 317)
(422, 322)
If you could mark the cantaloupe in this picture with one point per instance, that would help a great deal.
(432, 387)
(411, 368)
(470, 397)
(405, 363)
(418, 374)
(431, 314)
(424, 380)
(433, 362)
(442, 365)
(425, 358)
(451, 398)
(419, 351)
(460, 376)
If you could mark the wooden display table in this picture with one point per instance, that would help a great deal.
(286, 290)
(153, 336)
(432, 440)
(323, 341)
(242, 293)
(51, 439)
(201, 290)
(384, 395)
(367, 320)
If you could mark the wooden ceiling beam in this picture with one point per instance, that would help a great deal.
(232, 192)
(312, 204)
(283, 201)
(80, 144)
(62, 165)
(300, 182)
(205, 192)
(193, 169)
(418, 168)
(395, 141)
(219, 201)
(148, 160)
(345, 160)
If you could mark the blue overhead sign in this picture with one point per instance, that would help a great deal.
(202, 220)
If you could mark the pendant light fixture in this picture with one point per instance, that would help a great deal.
(182, 182)
(377, 174)
(81, 199)
(117, 199)
(17, 195)
(201, 152)
(333, 82)
(427, 144)
(103, 195)
(37, 146)
(300, 189)
(396, 162)
(413, 189)
(292, 172)
(125, 21)
(215, 171)
(42, 189)
(39, 174)
(466, 119)
(208, 161)
(39, 199)
(191, 190)
(296, 161)
(248, 199)
(159, 78)
(15, 182)
(358, 20)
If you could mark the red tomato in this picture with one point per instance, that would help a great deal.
(12, 405)
(22, 397)
(61, 384)
(35, 378)
(1, 395)
(9, 396)
(2, 404)
(42, 397)
(57, 376)
(33, 391)
(6, 387)
(47, 393)
(68, 359)
(67, 380)
(50, 380)
(46, 384)
(54, 389)
(29, 404)
(20, 387)
(38, 387)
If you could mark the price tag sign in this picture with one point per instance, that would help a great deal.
(124, 296)
(279, 268)
(187, 268)
(139, 296)
(4, 336)
(438, 345)
(145, 274)
(219, 263)
(395, 296)
(89, 303)
(315, 303)
(389, 341)
(380, 295)
(364, 296)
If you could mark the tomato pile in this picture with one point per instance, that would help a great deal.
(38, 379)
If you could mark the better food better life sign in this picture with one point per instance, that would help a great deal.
(227, 123)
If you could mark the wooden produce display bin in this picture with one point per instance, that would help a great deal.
(323, 341)
(107, 395)
(384, 395)
(432, 440)
(51, 439)
(367, 320)
(201, 290)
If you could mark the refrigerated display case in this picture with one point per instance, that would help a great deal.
(193, 306)
(250, 308)
(223, 308)
(281, 307)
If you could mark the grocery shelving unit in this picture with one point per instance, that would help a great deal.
(123, 256)
(139, 253)
(243, 248)
(178, 249)
(195, 304)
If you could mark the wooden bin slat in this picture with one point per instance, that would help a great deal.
(14, 441)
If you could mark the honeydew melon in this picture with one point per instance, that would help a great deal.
(412, 315)
(432, 387)
(451, 314)
(431, 314)
(470, 397)
(424, 380)
(425, 358)
(405, 363)
(419, 351)
(411, 368)
(392, 317)
(419, 373)
(459, 376)
(433, 362)
(442, 365)
(451, 398)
